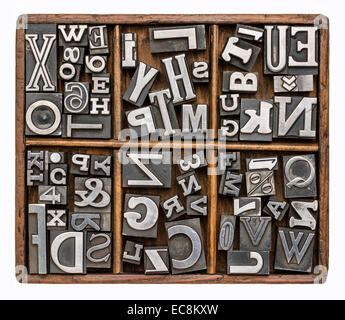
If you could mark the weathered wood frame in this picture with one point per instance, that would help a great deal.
(321, 148)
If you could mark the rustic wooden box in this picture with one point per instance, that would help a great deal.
(218, 27)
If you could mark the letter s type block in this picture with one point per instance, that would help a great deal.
(140, 216)
(40, 58)
(98, 250)
(186, 247)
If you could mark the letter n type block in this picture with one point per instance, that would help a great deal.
(294, 250)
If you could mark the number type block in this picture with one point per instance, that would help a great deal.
(256, 120)
(101, 165)
(92, 194)
(156, 260)
(73, 55)
(240, 53)
(186, 255)
(299, 176)
(303, 214)
(140, 84)
(132, 252)
(96, 64)
(76, 98)
(69, 72)
(276, 208)
(146, 170)
(294, 250)
(189, 183)
(173, 208)
(230, 184)
(98, 250)
(40, 58)
(197, 205)
(140, 216)
(43, 114)
(255, 233)
(67, 252)
(226, 232)
(180, 38)
(240, 81)
(269, 163)
(52, 194)
(260, 183)
(191, 161)
(249, 33)
(248, 207)
(248, 262)
(37, 239)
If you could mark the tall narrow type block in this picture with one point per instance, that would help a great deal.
(146, 169)
(186, 246)
(226, 232)
(43, 114)
(140, 216)
(37, 239)
(40, 58)
(98, 250)
(177, 38)
(129, 47)
(36, 171)
(67, 252)
(140, 84)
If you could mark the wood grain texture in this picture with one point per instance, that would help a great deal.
(20, 194)
(117, 98)
(140, 19)
(324, 148)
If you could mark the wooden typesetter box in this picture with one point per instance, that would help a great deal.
(218, 27)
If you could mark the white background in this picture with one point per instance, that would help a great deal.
(10, 289)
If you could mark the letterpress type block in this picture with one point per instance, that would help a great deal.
(76, 98)
(197, 205)
(249, 32)
(294, 250)
(186, 247)
(129, 50)
(58, 174)
(173, 208)
(248, 262)
(72, 35)
(140, 216)
(226, 232)
(189, 183)
(191, 161)
(230, 184)
(255, 233)
(98, 40)
(101, 165)
(240, 81)
(299, 176)
(200, 72)
(67, 252)
(260, 183)
(293, 83)
(132, 252)
(303, 214)
(229, 104)
(43, 114)
(40, 58)
(98, 250)
(247, 207)
(56, 219)
(52, 194)
(80, 164)
(156, 260)
(276, 208)
(73, 55)
(92, 194)
(268, 163)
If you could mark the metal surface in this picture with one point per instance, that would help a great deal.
(52, 194)
(248, 262)
(276, 208)
(58, 173)
(255, 233)
(226, 232)
(189, 183)
(72, 35)
(56, 219)
(192, 161)
(249, 32)
(247, 207)
(173, 208)
(293, 83)
(303, 214)
(267, 163)
(229, 104)
(129, 48)
(197, 205)
(80, 164)
(230, 184)
(76, 98)
(156, 260)
(101, 165)
(141, 122)
(260, 183)
(132, 252)
(200, 72)
(98, 39)
(240, 81)
(194, 121)
(98, 250)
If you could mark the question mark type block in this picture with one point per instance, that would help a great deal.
(260, 183)
(140, 216)
(186, 246)
(98, 250)
(299, 176)
(294, 250)
(248, 262)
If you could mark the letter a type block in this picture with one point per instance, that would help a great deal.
(294, 250)
(186, 246)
